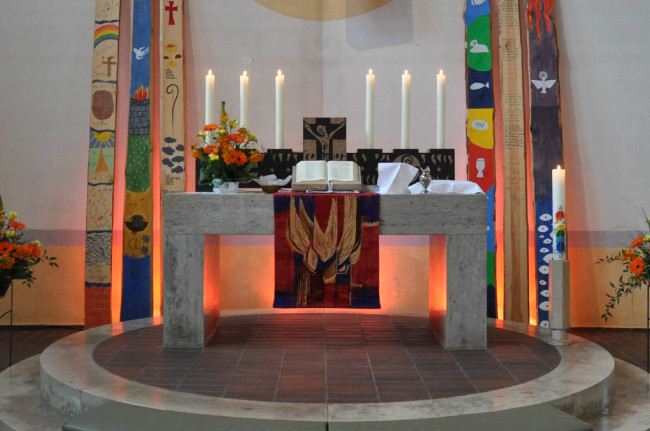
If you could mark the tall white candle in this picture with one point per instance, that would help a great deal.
(440, 123)
(406, 109)
(243, 99)
(209, 97)
(279, 110)
(370, 109)
(559, 213)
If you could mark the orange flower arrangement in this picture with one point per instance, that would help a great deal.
(226, 152)
(17, 257)
(636, 270)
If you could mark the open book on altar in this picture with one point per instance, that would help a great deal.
(321, 175)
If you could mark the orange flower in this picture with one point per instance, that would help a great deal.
(637, 266)
(6, 247)
(236, 137)
(22, 252)
(36, 252)
(627, 255)
(229, 157)
(240, 158)
(256, 157)
(15, 225)
(196, 153)
(210, 127)
(6, 262)
(637, 242)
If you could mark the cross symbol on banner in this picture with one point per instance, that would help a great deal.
(109, 62)
(171, 9)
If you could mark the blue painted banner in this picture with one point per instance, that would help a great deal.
(138, 199)
(480, 124)
(546, 137)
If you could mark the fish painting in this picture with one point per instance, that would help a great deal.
(479, 85)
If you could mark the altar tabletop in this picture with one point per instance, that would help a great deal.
(191, 312)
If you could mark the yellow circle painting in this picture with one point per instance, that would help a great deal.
(322, 10)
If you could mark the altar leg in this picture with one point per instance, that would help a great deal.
(190, 316)
(460, 320)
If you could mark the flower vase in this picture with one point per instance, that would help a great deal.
(5, 283)
(225, 187)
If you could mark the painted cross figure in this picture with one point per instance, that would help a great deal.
(543, 83)
(171, 9)
(109, 62)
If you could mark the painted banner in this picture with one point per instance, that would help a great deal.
(101, 155)
(138, 200)
(480, 123)
(546, 137)
(515, 224)
(172, 177)
(326, 250)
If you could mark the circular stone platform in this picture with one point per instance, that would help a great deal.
(72, 381)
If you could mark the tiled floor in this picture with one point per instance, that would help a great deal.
(29, 341)
(335, 358)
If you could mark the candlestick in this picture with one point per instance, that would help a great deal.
(440, 123)
(243, 99)
(370, 109)
(559, 213)
(406, 109)
(279, 110)
(209, 97)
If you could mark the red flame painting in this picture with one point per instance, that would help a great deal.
(141, 94)
(546, 13)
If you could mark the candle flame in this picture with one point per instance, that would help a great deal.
(209, 72)
(406, 72)
(369, 71)
(440, 72)
(244, 73)
(558, 166)
(279, 72)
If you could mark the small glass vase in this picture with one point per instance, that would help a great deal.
(224, 187)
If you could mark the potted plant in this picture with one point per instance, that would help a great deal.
(636, 269)
(17, 256)
(227, 155)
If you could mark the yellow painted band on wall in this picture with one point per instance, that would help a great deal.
(480, 127)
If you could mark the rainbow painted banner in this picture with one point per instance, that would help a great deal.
(101, 167)
(138, 200)
(480, 123)
(546, 137)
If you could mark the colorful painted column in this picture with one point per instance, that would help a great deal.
(546, 137)
(480, 124)
(99, 210)
(138, 201)
(172, 178)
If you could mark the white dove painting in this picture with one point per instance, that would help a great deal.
(140, 52)
(543, 84)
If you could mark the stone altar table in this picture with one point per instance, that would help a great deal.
(457, 310)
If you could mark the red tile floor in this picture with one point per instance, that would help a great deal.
(335, 358)
(310, 348)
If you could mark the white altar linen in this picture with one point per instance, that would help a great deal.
(394, 178)
(448, 186)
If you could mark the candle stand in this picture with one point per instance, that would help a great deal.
(559, 301)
